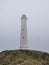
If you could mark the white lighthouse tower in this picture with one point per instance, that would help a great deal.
(23, 40)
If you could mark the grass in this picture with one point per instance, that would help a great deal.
(24, 57)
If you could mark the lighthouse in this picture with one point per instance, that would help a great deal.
(23, 38)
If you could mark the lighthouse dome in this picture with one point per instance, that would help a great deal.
(24, 17)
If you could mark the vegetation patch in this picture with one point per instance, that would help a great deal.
(23, 57)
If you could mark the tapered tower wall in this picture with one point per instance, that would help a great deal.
(23, 40)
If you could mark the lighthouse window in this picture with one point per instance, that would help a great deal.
(23, 29)
(23, 37)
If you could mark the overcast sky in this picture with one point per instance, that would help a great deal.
(37, 12)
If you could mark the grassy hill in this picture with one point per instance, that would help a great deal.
(24, 57)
